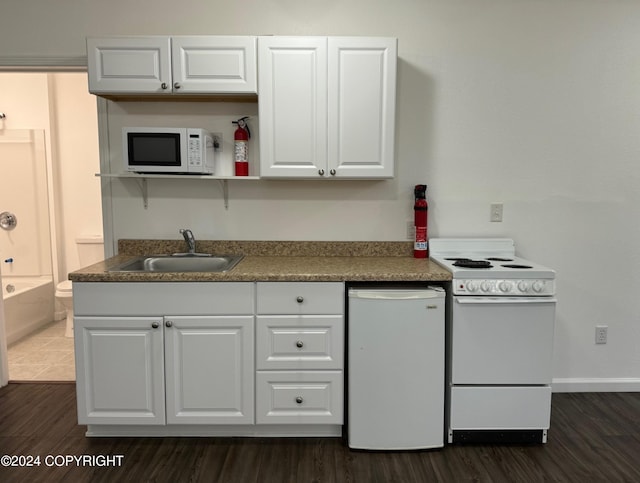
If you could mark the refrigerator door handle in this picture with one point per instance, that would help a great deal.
(430, 293)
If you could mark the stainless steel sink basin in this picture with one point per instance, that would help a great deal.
(168, 263)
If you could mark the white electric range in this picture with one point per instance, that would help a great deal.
(500, 325)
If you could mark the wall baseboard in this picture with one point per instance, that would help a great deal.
(595, 384)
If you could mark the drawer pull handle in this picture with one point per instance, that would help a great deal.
(299, 344)
(299, 400)
(168, 323)
(155, 325)
(299, 299)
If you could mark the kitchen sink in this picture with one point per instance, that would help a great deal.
(170, 263)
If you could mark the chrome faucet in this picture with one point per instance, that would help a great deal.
(190, 239)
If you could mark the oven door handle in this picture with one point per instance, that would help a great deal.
(505, 300)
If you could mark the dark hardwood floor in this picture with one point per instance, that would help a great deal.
(593, 437)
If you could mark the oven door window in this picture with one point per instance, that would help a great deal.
(502, 340)
(154, 149)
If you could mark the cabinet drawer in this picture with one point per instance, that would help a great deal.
(287, 397)
(300, 342)
(300, 298)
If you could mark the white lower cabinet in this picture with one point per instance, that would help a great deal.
(120, 370)
(209, 370)
(138, 365)
(300, 353)
(214, 368)
(165, 370)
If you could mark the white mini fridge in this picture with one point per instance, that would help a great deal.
(395, 368)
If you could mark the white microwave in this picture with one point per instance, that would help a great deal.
(168, 150)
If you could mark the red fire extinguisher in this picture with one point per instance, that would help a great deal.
(420, 208)
(241, 147)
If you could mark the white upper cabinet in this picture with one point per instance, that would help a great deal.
(292, 102)
(172, 65)
(327, 106)
(361, 106)
(214, 64)
(129, 64)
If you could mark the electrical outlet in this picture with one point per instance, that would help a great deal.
(217, 142)
(411, 230)
(496, 212)
(601, 334)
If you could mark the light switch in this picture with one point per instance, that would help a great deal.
(496, 212)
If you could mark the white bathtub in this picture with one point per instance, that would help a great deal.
(28, 304)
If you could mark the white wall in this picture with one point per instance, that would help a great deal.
(76, 127)
(534, 104)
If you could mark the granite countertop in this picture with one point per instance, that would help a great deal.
(278, 261)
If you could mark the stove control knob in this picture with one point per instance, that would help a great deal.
(504, 286)
(538, 286)
(485, 287)
(472, 286)
(523, 286)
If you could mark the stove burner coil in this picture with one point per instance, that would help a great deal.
(515, 265)
(498, 259)
(466, 263)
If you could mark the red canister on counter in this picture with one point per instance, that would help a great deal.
(420, 208)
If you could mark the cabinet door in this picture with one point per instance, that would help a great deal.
(119, 370)
(361, 106)
(206, 64)
(292, 99)
(129, 65)
(209, 370)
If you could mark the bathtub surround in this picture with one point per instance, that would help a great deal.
(25, 250)
(28, 306)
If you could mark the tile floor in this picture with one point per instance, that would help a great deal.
(45, 355)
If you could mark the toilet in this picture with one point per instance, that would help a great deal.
(90, 250)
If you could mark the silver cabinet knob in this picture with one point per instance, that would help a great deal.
(333, 172)
(299, 400)
(321, 172)
(155, 325)
(164, 86)
(299, 299)
(168, 323)
(299, 344)
(177, 85)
